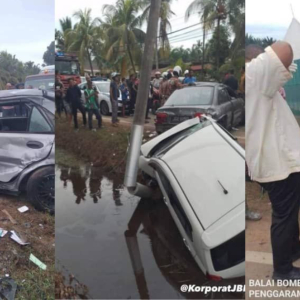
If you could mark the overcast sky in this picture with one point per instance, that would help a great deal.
(67, 8)
(269, 17)
(27, 28)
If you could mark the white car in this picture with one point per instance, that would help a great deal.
(200, 170)
(103, 87)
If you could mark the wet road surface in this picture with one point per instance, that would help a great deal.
(121, 246)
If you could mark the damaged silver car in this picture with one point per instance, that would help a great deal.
(27, 147)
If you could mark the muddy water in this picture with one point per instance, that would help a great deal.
(119, 246)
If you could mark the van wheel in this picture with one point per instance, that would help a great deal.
(104, 108)
(41, 189)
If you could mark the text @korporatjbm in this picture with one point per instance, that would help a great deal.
(192, 288)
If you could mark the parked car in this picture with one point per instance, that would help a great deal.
(203, 187)
(209, 98)
(27, 157)
(103, 87)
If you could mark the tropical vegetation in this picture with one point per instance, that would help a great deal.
(115, 40)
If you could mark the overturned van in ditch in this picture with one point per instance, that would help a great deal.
(27, 148)
(200, 170)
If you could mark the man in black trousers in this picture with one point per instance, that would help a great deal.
(73, 97)
(273, 150)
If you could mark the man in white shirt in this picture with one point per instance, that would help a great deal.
(273, 151)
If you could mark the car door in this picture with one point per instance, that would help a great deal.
(26, 137)
(237, 109)
(82, 87)
(225, 108)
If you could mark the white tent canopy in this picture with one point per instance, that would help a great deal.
(293, 37)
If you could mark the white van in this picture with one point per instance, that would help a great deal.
(200, 170)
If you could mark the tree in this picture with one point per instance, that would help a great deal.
(49, 55)
(231, 12)
(263, 42)
(61, 36)
(123, 37)
(14, 71)
(84, 35)
(210, 11)
(220, 43)
(163, 28)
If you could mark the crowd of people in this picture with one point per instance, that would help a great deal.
(18, 86)
(160, 89)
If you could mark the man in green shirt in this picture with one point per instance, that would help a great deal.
(92, 106)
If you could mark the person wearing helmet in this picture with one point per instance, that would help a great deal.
(114, 95)
(174, 83)
(178, 70)
(190, 79)
(165, 90)
(186, 74)
(157, 80)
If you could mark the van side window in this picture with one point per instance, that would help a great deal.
(176, 204)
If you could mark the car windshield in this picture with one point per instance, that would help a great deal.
(103, 87)
(40, 82)
(193, 96)
(67, 67)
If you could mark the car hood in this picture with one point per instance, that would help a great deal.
(210, 171)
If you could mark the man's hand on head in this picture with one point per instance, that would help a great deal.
(284, 52)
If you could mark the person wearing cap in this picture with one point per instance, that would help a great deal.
(114, 95)
(273, 150)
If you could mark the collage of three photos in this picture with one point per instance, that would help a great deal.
(149, 149)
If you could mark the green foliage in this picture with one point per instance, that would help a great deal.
(14, 71)
(263, 42)
(49, 55)
(222, 48)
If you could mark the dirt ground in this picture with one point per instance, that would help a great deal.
(37, 229)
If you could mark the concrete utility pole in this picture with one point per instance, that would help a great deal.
(142, 98)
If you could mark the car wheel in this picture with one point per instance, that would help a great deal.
(41, 189)
(104, 108)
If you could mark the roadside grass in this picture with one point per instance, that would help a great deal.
(105, 148)
(36, 284)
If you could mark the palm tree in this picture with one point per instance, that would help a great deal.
(61, 36)
(84, 35)
(219, 10)
(123, 35)
(236, 20)
(164, 25)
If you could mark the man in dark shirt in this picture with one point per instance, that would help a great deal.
(132, 92)
(114, 96)
(231, 81)
(59, 90)
(73, 97)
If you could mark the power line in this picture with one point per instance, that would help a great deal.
(181, 34)
(190, 38)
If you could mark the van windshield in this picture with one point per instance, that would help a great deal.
(40, 82)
